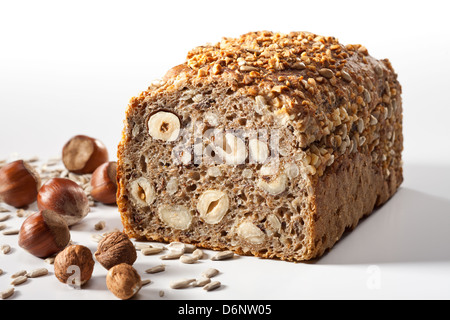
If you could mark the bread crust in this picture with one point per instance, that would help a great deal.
(342, 107)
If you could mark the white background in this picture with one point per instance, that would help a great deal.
(70, 68)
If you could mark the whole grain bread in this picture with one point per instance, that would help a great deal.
(269, 144)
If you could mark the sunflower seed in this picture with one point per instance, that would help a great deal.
(100, 225)
(180, 284)
(212, 286)
(209, 273)
(197, 254)
(145, 282)
(140, 246)
(177, 246)
(3, 209)
(189, 248)
(161, 293)
(187, 259)
(151, 250)
(156, 269)
(5, 217)
(223, 255)
(19, 273)
(171, 255)
(37, 273)
(19, 280)
(11, 232)
(5, 248)
(2, 226)
(201, 282)
(327, 73)
(7, 293)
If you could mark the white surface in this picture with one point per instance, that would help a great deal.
(70, 68)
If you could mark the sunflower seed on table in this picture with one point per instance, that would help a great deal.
(5, 248)
(171, 255)
(209, 273)
(37, 273)
(10, 232)
(156, 269)
(7, 293)
(201, 282)
(180, 284)
(2, 226)
(151, 250)
(223, 255)
(198, 254)
(177, 246)
(212, 286)
(19, 273)
(19, 280)
(145, 282)
(188, 259)
(4, 209)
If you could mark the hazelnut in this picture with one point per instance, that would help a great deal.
(19, 184)
(114, 249)
(74, 265)
(83, 154)
(65, 197)
(44, 233)
(104, 183)
(123, 281)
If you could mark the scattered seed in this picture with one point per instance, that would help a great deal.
(5, 217)
(2, 226)
(140, 246)
(19, 280)
(201, 282)
(37, 273)
(180, 284)
(3, 210)
(151, 250)
(10, 232)
(197, 254)
(50, 260)
(161, 293)
(223, 255)
(19, 274)
(209, 273)
(96, 237)
(100, 225)
(212, 286)
(1, 272)
(145, 282)
(188, 259)
(156, 269)
(5, 248)
(171, 255)
(7, 293)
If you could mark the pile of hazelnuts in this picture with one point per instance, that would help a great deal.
(61, 202)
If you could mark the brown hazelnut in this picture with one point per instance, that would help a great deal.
(74, 265)
(44, 233)
(83, 154)
(19, 184)
(114, 249)
(104, 183)
(123, 281)
(65, 197)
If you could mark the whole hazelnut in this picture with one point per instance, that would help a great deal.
(44, 233)
(19, 184)
(65, 197)
(83, 154)
(115, 248)
(104, 183)
(74, 265)
(123, 281)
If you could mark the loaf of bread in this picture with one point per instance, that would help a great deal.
(269, 144)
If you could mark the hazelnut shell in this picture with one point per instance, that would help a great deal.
(83, 154)
(19, 184)
(65, 197)
(44, 233)
(104, 183)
